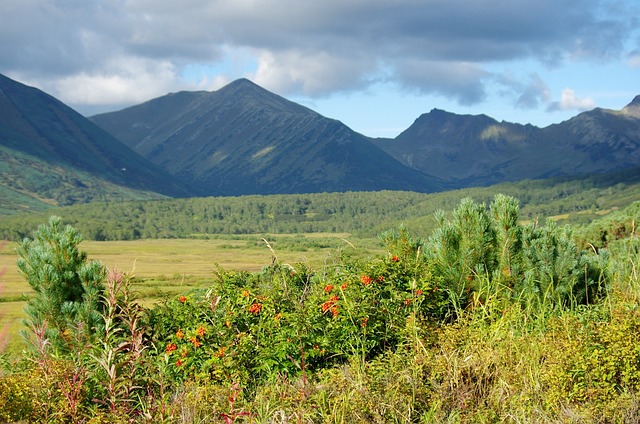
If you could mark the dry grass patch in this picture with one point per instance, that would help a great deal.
(11, 316)
(167, 267)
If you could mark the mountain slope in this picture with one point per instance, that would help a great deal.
(601, 138)
(472, 150)
(48, 150)
(465, 150)
(243, 139)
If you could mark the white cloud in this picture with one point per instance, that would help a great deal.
(315, 74)
(126, 80)
(569, 101)
(311, 48)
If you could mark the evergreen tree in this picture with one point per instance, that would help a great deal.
(508, 239)
(536, 264)
(67, 288)
(463, 248)
(555, 271)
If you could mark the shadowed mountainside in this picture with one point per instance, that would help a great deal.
(48, 150)
(472, 150)
(243, 139)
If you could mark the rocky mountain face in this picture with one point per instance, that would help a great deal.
(45, 145)
(243, 139)
(471, 150)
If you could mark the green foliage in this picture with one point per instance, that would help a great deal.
(364, 214)
(66, 286)
(608, 231)
(380, 339)
(555, 270)
(594, 360)
(16, 397)
(27, 184)
(251, 327)
(537, 265)
(119, 361)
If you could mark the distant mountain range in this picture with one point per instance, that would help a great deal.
(243, 139)
(472, 150)
(52, 153)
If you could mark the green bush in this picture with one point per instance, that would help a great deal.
(67, 288)
(594, 359)
(286, 320)
(16, 397)
(537, 265)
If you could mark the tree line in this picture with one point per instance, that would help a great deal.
(363, 214)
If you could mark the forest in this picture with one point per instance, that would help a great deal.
(365, 214)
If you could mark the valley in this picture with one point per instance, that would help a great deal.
(244, 242)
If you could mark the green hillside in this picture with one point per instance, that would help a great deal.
(362, 213)
(54, 155)
(31, 184)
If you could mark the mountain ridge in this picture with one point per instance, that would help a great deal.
(36, 129)
(455, 151)
(466, 150)
(243, 139)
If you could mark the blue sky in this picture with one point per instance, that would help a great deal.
(376, 65)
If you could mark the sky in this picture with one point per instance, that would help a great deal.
(375, 65)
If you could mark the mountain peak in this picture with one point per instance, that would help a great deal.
(242, 85)
(242, 82)
(633, 108)
(249, 94)
(245, 139)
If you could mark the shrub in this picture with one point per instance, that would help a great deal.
(288, 320)
(537, 265)
(594, 359)
(471, 325)
(16, 397)
(66, 286)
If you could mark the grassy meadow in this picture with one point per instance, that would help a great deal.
(166, 267)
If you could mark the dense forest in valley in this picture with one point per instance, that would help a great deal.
(361, 213)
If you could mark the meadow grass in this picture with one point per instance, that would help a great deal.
(11, 317)
(167, 267)
(171, 260)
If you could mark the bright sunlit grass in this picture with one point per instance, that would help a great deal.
(166, 267)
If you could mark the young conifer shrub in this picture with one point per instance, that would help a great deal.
(67, 287)
(539, 265)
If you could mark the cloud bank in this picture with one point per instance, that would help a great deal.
(124, 51)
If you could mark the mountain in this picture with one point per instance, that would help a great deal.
(50, 153)
(243, 139)
(474, 150)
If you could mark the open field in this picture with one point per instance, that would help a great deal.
(167, 260)
(165, 267)
(11, 316)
